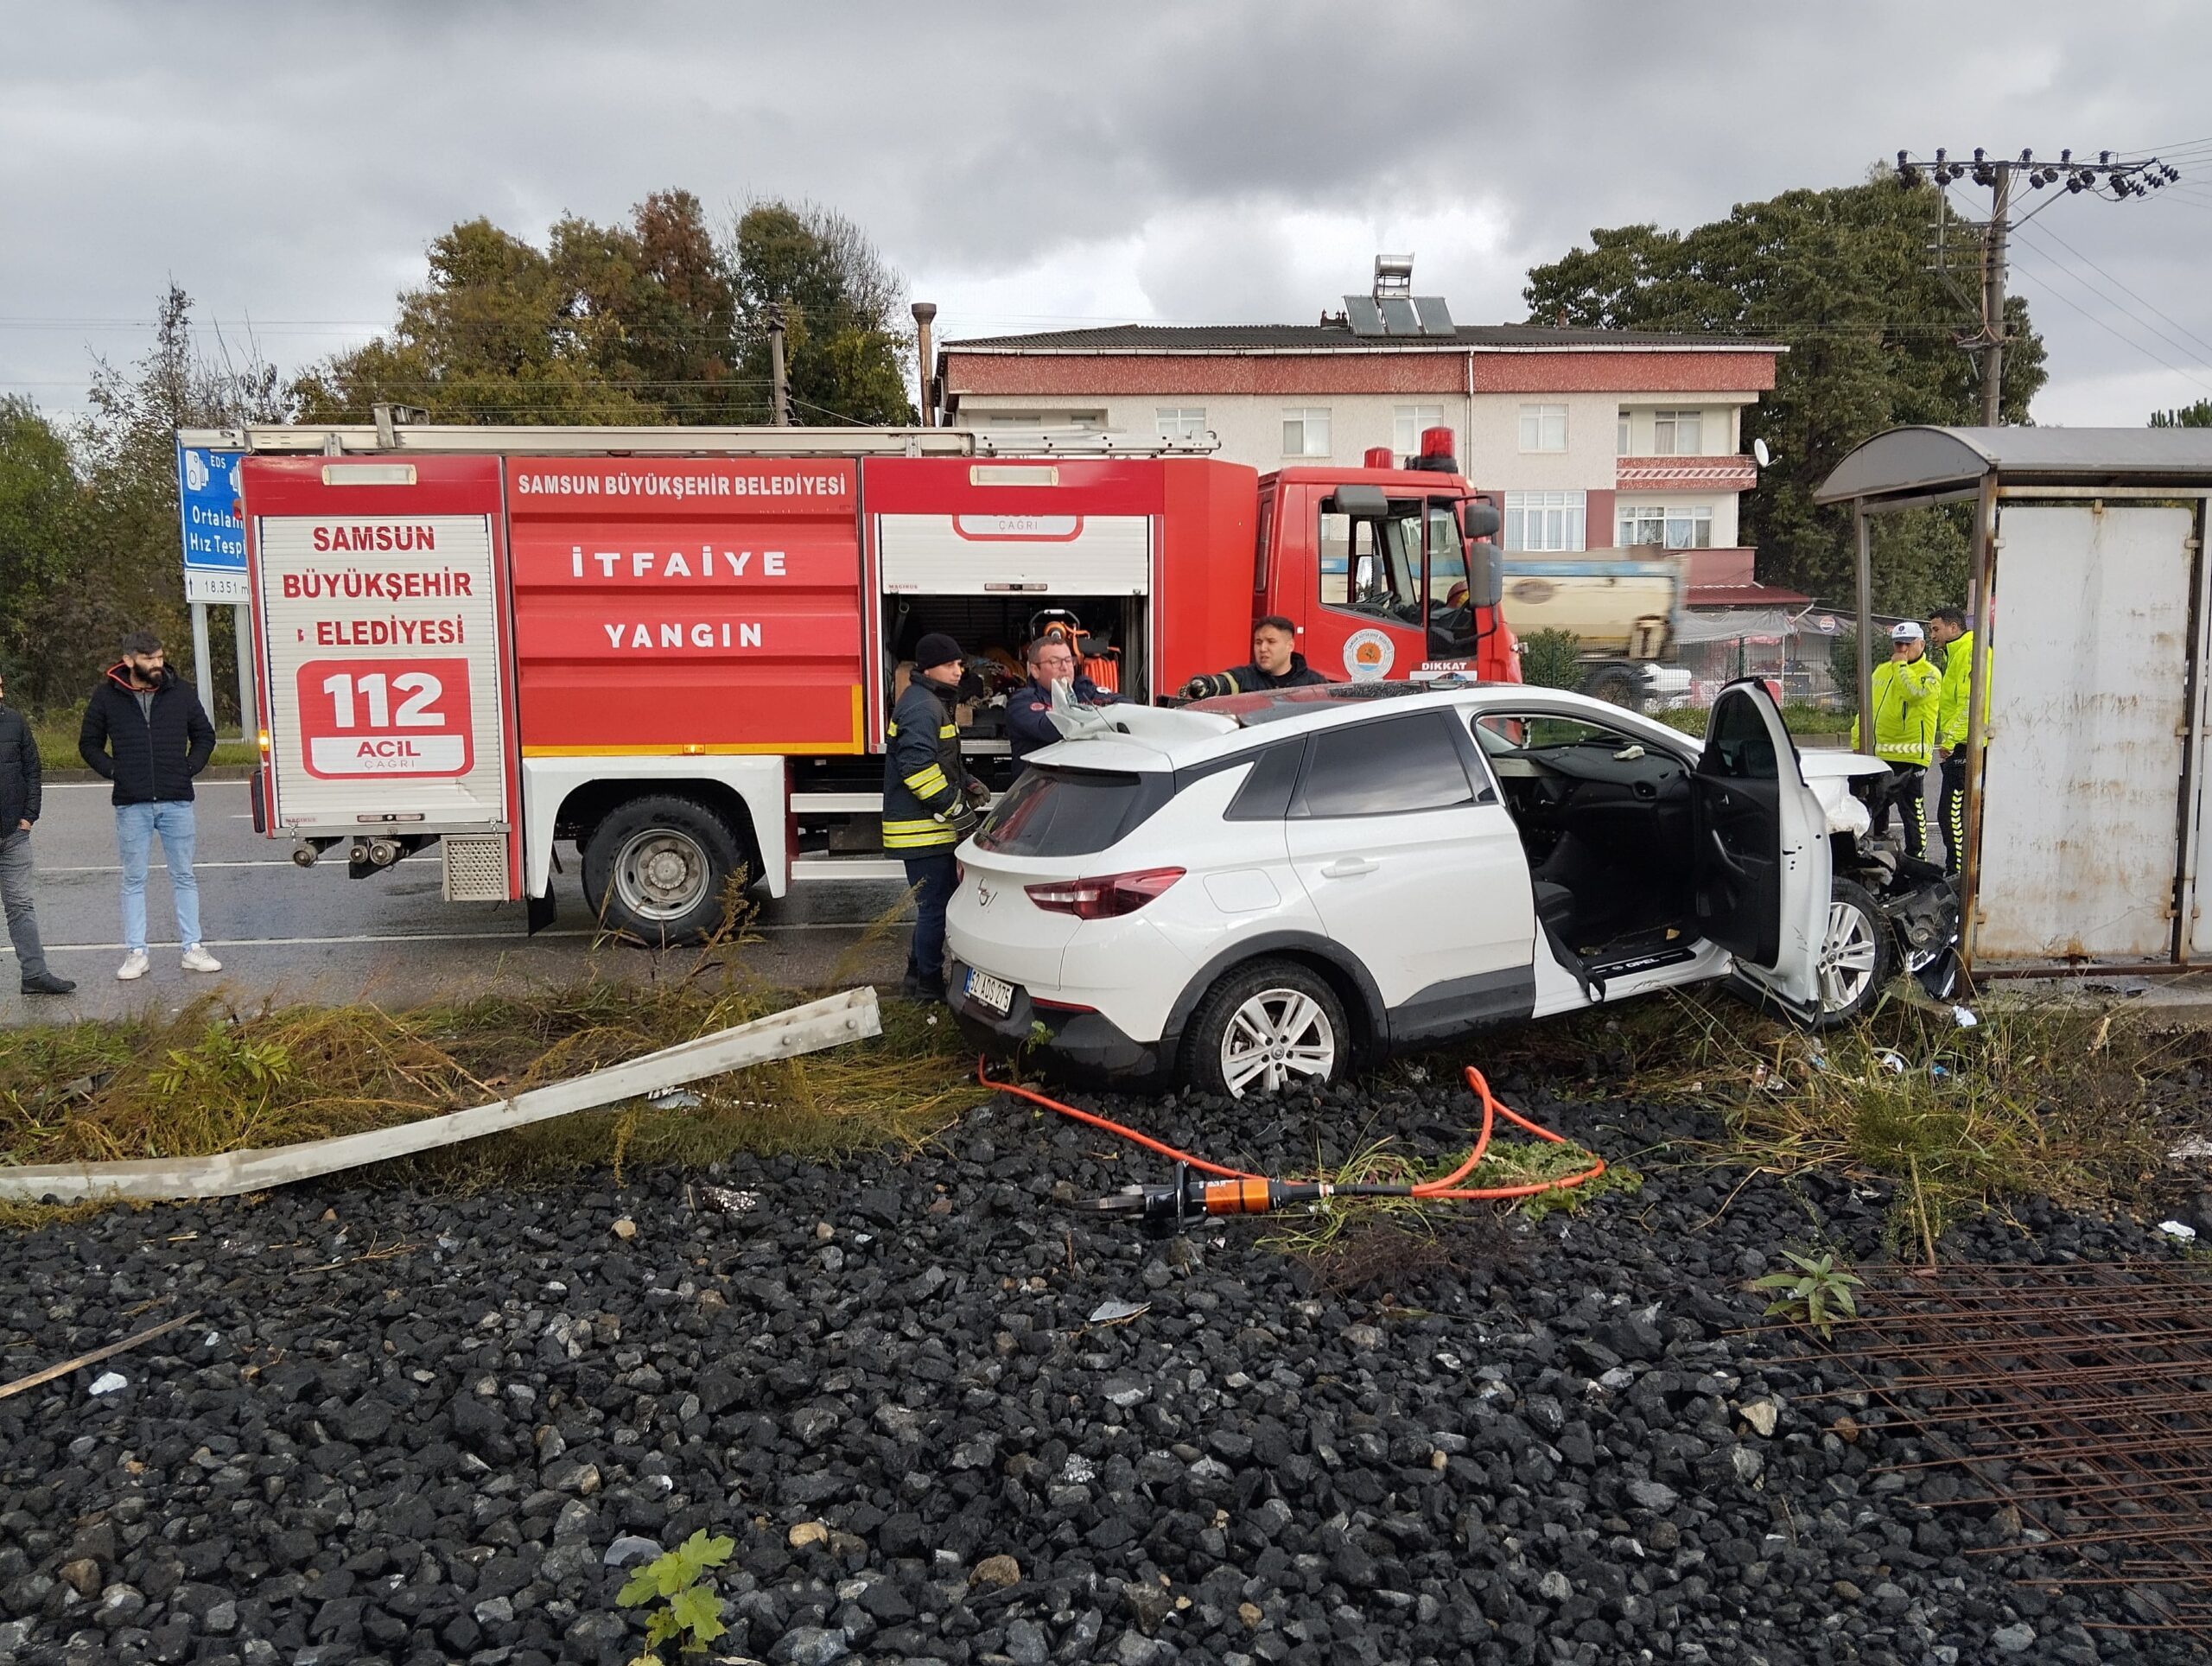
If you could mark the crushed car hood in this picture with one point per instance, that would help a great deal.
(1830, 773)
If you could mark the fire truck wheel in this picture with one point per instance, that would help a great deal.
(660, 869)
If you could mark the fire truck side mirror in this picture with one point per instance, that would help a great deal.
(1479, 520)
(1485, 572)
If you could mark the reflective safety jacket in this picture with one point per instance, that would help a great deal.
(1958, 666)
(924, 784)
(1906, 693)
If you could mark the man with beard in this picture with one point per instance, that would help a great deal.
(146, 731)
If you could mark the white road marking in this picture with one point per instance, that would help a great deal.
(162, 868)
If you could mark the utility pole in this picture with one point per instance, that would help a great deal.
(2106, 178)
(778, 391)
(1993, 299)
(2103, 177)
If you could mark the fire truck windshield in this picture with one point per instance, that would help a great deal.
(1405, 566)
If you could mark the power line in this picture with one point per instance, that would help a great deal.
(2105, 177)
(2093, 265)
(2104, 325)
(2192, 354)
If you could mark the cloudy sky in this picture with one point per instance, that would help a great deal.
(1055, 165)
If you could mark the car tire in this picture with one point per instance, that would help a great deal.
(659, 869)
(1855, 958)
(1273, 1008)
(1616, 686)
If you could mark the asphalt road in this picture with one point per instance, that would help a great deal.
(292, 933)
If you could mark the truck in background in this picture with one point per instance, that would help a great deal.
(675, 649)
(1622, 607)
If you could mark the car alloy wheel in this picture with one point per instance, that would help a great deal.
(1850, 956)
(1275, 1038)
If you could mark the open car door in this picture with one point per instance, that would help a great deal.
(1762, 869)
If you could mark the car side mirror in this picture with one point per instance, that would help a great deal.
(1479, 520)
(1485, 573)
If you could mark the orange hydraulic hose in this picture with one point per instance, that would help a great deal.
(1449, 1187)
(1446, 1189)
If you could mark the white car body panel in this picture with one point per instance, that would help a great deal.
(1422, 897)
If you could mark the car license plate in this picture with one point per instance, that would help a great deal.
(988, 991)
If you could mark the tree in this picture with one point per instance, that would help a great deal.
(1842, 279)
(42, 509)
(653, 322)
(845, 352)
(2196, 415)
(112, 558)
(503, 331)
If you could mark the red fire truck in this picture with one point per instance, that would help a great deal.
(675, 648)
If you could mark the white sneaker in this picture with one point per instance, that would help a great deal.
(197, 959)
(134, 965)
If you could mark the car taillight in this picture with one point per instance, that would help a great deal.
(1105, 898)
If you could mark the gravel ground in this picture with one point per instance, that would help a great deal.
(419, 1428)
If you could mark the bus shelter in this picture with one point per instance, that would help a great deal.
(2086, 803)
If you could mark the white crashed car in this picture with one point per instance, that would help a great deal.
(1271, 889)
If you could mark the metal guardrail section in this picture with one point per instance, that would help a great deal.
(2079, 1396)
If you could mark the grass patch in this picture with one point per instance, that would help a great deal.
(2041, 1099)
(215, 1078)
(56, 732)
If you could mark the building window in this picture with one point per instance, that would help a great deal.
(1409, 422)
(1677, 433)
(1180, 422)
(1621, 436)
(1673, 526)
(1545, 520)
(1306, 433)
(1543, 427)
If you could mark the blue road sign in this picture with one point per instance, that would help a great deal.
(214, 535)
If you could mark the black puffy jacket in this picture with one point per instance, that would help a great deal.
(19, 771)
(1250, 679)
(151, 759)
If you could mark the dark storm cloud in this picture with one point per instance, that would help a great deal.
(1055, 163)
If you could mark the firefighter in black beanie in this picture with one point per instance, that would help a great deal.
(929, 801)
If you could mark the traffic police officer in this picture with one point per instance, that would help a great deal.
(929, 801)
(1905, 692)
(1949, 629)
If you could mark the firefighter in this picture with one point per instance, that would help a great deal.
(929, 801)
(1029, 714)
(1906, 690)
(1276, 663)
(1949, 629)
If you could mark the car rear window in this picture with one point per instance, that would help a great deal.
(1071, 812)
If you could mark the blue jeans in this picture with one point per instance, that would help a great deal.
(934, 878)
(135, 827)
